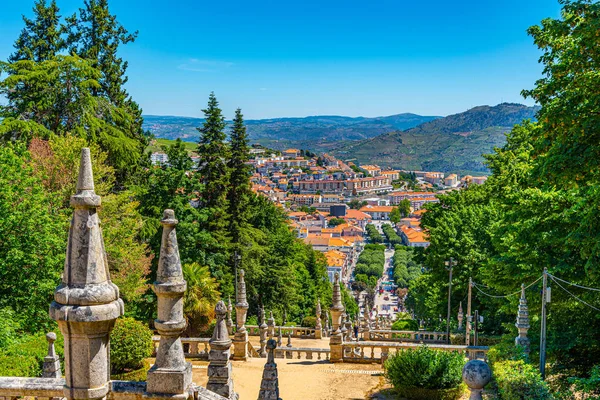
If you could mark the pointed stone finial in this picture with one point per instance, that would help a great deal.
(86, 303)
(219, 369)
(279, 338)
(170, 374)
(269, 386)
(229, 320)
(51, 367)
(289, 339)
(460, 315)
(523, 322)
(318, 324)
(337, 309)
(263, 332)
(271, 325)
(241, 310)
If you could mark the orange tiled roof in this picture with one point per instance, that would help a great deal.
(376, 209)
(356, 214)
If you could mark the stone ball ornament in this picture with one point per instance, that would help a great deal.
(476, 374)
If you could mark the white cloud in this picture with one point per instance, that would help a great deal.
(196, 65)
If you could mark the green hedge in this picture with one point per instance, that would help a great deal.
(130, 344)
(24, 356)
(424, 373)
(371, 261)
(374, 235)
(517, 380)
(391, 235)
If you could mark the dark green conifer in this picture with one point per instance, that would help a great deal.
(41, 38)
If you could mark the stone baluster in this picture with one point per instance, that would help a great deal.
(348, 328)
(240, 339)
(523, 322)
(461, 316)
(219, 368)
(51, 367)
(229, 321)
(171, 374)
(279, 338)
(318, 324)
(86, 303)
(271, 325)
(269, 386)
(264, 330)
(476, 374)
(336, 339)
(288, 354)
(343, 328)
(366, 327)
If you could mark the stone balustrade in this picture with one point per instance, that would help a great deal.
(297, 332)
(378, 352)
(302, 353)
(408, 336)
(192, 347)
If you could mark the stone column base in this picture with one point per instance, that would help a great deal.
(169, 381)
(240, 347)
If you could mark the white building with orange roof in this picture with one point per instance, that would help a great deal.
(378, 212)
(413, 237)
(337, 262)
(291, 153)
(396, 197)
(392, 174)
(358, 218)
(373, 170)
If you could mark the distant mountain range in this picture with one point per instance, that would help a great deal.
(332, 129)
(451, 144)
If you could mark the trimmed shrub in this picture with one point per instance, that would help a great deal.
(426, 374)
(130, 344)
(309, 322)
(25, 356)
(405, 325)
(517, 380)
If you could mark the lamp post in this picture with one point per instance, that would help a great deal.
(449, 265)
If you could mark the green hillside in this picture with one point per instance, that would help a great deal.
(451, 144)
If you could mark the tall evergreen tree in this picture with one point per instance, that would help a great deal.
(41, 38)
(213, 154)
(95, 34)
(239, 190)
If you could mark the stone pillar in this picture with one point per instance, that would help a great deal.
(240, 339)
(288, 354)
(269, 386)
(51, 367)
(318, 325)
(523, 322)
(229, 321)
(279, 338)
(263, 331)
(476, 374)
(348, 326)
(366, 327)
(171, 374)
(326, 323)
(343, 328)
(86, 303)
(460, 316)
(337, 309)
(219, 368)
(271, 325)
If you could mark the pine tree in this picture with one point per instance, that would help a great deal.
(213, 156)
(41, 39)
(95, 34)
(239, 180)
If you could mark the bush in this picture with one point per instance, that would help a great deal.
(130, 344)
(373, 233)
(309, 322)
(426, 374)
(25, 356)
(517, 380)
(505, 351)
(405, 325)
(482, 340)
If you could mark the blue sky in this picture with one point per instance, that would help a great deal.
(299, 58)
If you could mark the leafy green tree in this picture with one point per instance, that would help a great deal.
(404, 207)
(32, 250)
(333, 222)
(395, 215)
(178, 156)
(41, 39)
(201, 296)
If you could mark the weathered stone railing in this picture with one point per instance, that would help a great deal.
(297, 332)
(408, 336)
(299, 353)
(192, 347)
(378, 352)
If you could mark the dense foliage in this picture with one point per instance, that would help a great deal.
(517, 380)
(406, 268)
(421, 373)
(539, 208)
(391, 235)
(130, 344)
(373, 233)
(371, 261)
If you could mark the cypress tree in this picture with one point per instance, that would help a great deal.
(239, 190)
(213, 155)
(41, 39)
